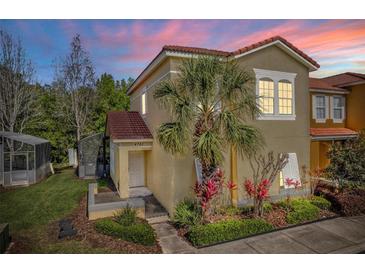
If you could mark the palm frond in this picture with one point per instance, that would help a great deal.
(173, 137)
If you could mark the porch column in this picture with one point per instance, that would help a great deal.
(123, 172)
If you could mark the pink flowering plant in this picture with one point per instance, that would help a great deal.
(258, 192)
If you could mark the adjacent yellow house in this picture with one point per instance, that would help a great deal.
(337, 111)
(282, 81)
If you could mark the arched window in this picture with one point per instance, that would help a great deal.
(266, 95)
(285, 95)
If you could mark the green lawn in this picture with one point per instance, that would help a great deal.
(30, 210)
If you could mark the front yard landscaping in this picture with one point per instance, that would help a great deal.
(228, 223)
(34, 213)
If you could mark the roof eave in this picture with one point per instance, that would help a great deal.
(329, 91)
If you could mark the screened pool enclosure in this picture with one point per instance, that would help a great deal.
(24, 159)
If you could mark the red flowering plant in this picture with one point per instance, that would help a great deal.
(209, 189)
(258, 192)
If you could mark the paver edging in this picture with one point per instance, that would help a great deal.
(263, 233)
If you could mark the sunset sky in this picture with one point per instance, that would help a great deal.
(124, 47)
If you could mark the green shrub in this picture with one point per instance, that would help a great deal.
(103, 183)
(187, 213)
(284, 204)
(126, 216)
(139, 233)
(302, 210)
(230, 210)
(320, 202)
(267, 207)
(201, 235)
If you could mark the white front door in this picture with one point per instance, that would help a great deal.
(136, 168)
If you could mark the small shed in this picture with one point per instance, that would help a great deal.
(24, 159)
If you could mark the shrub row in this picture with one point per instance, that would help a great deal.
(302, 211)
(201, 235)
(320, 202)
(140, 233)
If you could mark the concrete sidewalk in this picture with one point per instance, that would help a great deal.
(340, 235)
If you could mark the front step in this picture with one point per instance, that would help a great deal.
(157, 220)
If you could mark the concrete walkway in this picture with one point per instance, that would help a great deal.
(340, 235)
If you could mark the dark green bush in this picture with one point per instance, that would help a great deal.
(126, 216)
(267, 206)
(247, 209)
(201, 235)
(302, 210)
(284, 204)
(320, 202)
(139, 233)
(187, 213)
(103, 183)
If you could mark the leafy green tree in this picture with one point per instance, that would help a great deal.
(50, 124)
(210, 102)
(111, 95)
(347, 161)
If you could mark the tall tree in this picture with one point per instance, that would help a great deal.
(111, 95)
(76, 81)
(210, 102)
(16, 89)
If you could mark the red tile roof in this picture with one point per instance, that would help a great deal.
(321, 132)
(206, 51)
(127, 125)
(195, 50)
(344, 79)
(315, 83)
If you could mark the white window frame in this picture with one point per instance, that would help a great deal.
(276, 76)
(342, 109)
(144, 109)
(314, 108)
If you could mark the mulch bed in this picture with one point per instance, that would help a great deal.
(86, 233)
(347, 202)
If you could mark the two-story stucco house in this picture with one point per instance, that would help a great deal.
(337, 112)
(282, 82)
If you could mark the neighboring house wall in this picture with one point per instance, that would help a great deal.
(356, 108)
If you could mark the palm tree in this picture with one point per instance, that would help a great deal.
(210, 102)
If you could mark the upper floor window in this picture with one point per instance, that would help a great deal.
(285, 97)
(338, 109)
(266, 96)
(321, 111)
(276, 97)
(144, 104)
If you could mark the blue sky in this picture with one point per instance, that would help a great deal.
(124, 47)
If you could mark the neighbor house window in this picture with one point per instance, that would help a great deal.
(275, 94)
(266, 93)
(321, 107)
(285, 98)
(338, 109)
(144, 103)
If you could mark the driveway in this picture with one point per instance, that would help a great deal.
(340, 235)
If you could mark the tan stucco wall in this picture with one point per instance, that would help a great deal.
(171, 178)
(356, 108)
(281, 136)
(329, 122)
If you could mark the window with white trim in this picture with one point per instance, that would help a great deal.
(338, 108)
(285, 97)
(144, 103)
(275, 93)
(266, 95)
(320, 107)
